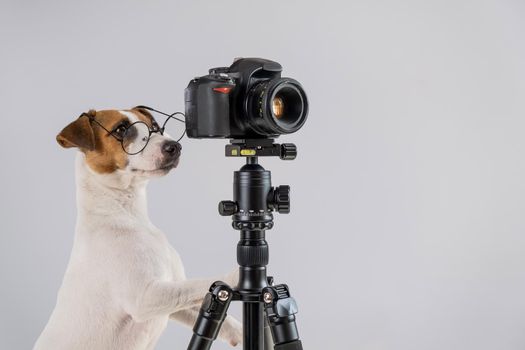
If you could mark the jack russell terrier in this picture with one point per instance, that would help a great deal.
(124, 280)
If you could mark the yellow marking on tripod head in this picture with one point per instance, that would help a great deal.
(234, 152)
(248, 152)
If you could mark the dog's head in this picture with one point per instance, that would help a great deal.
(106, 138)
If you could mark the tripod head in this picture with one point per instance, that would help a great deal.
(254, 197)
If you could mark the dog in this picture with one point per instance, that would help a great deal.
(124, 281)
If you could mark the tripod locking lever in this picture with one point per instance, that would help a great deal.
(280, 311)
(211, 316)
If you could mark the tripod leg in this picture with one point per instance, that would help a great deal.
(253, 325)
(280, 311)
(268, 340)
(211, 316)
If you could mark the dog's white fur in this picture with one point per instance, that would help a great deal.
(124, 280)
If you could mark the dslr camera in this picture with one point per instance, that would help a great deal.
(248, 100)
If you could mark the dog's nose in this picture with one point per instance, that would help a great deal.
(171, 148)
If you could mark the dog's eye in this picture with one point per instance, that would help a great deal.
(155, 126)
(120, 130)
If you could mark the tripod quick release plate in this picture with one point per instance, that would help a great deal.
(260, 148)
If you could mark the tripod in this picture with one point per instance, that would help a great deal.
(267, 308)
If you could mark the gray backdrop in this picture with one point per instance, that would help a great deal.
(407, 228)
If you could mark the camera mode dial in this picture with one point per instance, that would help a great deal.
(218, 70)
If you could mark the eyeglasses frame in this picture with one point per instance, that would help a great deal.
(151, 131)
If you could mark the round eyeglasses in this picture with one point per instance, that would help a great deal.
(135, 137)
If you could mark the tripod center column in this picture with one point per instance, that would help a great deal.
(252, 186)
(251, 190)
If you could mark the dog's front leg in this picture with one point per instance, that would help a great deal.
(230, 332)
(159, 298)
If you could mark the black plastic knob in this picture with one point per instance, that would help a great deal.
(227, 208)
(288, 151)
(218, 70)
(281, 199)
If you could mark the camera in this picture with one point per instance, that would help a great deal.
(248, 100)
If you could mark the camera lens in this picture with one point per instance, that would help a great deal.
(292, 104)
(277, 106)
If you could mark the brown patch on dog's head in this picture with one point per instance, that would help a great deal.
(108, 155)
(104, 153)
(146, 116)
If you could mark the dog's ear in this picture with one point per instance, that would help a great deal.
(78, 134)
(144, 111)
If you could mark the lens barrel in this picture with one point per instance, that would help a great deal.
(276, 106)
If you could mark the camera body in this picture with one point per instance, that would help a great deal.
(248, 100)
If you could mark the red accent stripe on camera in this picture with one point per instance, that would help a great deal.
(223, 90)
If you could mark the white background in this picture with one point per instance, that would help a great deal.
(407, 228)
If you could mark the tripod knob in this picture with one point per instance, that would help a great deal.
(288, 151)
(281, 199)
(227, 208)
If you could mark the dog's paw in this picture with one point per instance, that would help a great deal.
(231, 331)
(236, 339)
